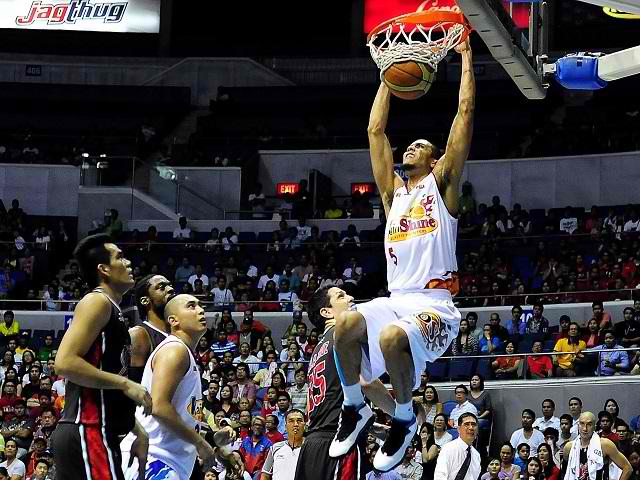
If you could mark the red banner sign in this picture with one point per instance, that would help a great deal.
(377, 11)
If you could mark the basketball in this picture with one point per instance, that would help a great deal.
(409, 80)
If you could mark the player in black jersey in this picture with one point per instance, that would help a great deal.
(324, 399)
(152, 293)
(94, 358)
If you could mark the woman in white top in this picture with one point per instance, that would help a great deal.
(431, 403)
(332, 280)
(441, 436)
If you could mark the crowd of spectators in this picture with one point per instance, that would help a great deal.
(505, 257)
(31, 399)
(251, 381)
(32, 251)
(540, 440)
(595, 347)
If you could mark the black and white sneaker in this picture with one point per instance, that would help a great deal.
(392, 451)
(353, 420)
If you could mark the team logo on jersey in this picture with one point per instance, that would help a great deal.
(434, 331)
(417, 221)
(194, 408)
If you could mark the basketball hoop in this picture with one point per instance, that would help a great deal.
(423, 36)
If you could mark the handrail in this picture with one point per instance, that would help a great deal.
(532, 354)
(358, 300)
(574, 236)
(182, 185)
(361, 300)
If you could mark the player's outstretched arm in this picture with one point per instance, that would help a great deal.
(379, 147)
(449, 167)
(91, 316)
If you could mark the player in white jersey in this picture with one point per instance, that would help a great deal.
(417, 323)
(173, 378)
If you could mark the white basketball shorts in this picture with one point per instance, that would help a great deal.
(429, 318)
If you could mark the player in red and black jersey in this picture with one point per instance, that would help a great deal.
(324, 400)
(94, 358)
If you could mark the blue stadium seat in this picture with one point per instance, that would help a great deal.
(548, 345)
(264, 237)
(484, 368)
(522, 265)
(246, 237)
(454, 432)
(633, 423)
(365, 235)
(533, 337)
(165, 236)
(525, 345)
(201, 237)
(448, 406)
(461, 368)
(437, 370)
(537, 217)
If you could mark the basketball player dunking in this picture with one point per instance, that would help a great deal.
(418, 322)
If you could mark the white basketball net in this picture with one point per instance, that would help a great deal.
(414, 42)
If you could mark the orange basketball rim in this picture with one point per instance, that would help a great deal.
(423, 36)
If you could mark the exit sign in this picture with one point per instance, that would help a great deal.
(363, 188)
(284, 188)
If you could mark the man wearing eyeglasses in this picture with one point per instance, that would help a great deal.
(458, 459)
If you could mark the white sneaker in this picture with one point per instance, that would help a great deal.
(392, 452)
(353, 420)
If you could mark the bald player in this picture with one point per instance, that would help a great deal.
(173, 378)
(590, 457)
(152, 293)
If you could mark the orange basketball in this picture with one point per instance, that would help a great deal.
(409, 80)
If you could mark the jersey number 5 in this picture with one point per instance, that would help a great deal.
(393, 256)
(318, 386)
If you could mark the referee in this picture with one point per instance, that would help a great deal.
(283, 456)
(458, 460)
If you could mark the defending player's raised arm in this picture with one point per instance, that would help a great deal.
(379, 147)
(450, 166)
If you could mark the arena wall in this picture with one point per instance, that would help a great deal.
(533, 182)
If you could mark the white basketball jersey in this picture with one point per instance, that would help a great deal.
(420, 240)
(164, 445)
